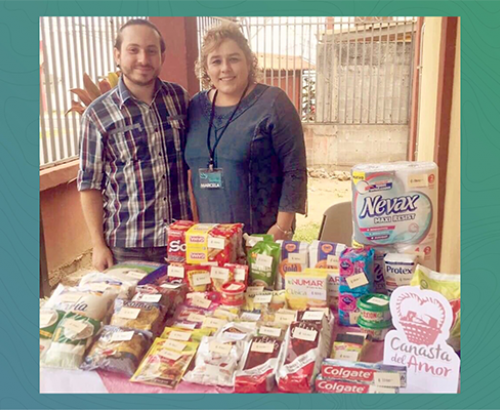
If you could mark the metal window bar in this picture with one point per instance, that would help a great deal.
(70, 47)
(358, 53)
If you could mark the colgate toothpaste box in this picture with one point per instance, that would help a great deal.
(176, 241)
(366, 373)
(341, 386)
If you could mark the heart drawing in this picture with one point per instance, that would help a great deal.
(421, 318)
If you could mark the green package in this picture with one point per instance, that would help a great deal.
(263, 261)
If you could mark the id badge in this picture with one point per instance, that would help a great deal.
(210, 179)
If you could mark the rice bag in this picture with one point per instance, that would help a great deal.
(263, 260)
(91, 303)
(118, 350)
(49, 319)
(72, 336)
(165, 363)
(449, 286)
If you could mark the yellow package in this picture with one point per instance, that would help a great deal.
(449, 286)
(197, 243)
(165, 363)
(306, 289)
(185, 335)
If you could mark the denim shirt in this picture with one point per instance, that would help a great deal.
(261, 154)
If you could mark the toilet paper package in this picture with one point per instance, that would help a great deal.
(395, 204)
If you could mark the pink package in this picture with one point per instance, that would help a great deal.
(356, 262)
(348, 309)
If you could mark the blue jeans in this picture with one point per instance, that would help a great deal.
(157, 254)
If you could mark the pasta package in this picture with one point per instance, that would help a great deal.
(263, 260)
(72, 336)
(138, 315)
(449, 286)
(165, 363)
(325, 255)
(118, 350)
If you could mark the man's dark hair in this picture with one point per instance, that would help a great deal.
(138, 22)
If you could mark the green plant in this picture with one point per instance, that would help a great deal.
(91, 91)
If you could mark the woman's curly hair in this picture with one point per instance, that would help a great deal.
(213, 39)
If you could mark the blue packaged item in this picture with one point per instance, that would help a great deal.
(357, 271)
(348, 308)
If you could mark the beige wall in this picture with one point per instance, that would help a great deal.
(428, 89)
(450, 261)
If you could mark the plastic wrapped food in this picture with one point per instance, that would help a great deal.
(72, 336)
(449, 286)
(164, 365)
(132, 270)
(98, 281)
(49, 319)
(118, 350)
(185, 335)
(307, 344)
(260, 362)
(294, 258)
(91, 303)
(138, 315)
(218, 357)
(176, 237)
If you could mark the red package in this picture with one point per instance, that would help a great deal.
(239, 272)
(197, 277)
(176, 241)
(261, 361)
(224, 243)
(307, 345)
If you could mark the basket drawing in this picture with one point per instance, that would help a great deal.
(419, 333)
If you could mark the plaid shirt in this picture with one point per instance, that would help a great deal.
(133, 153)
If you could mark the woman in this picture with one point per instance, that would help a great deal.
(245, 146)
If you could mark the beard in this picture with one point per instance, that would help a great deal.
(135, 78)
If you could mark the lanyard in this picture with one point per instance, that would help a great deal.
(211, 151)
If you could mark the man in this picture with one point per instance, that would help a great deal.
(133, 178)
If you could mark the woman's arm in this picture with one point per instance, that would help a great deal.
(288, 142)
(194, 207)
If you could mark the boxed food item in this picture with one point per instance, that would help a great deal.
(306, 289)
(333, 283)
(118, 350)
(366, 373)
(214, 243)
(294, 258)
(165, 363)
(176, 241)
(349, 347)
(307, 344)
(325, 255)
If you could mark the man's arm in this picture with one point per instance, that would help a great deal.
(92, 203)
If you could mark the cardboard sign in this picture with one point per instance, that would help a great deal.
(422, 319)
